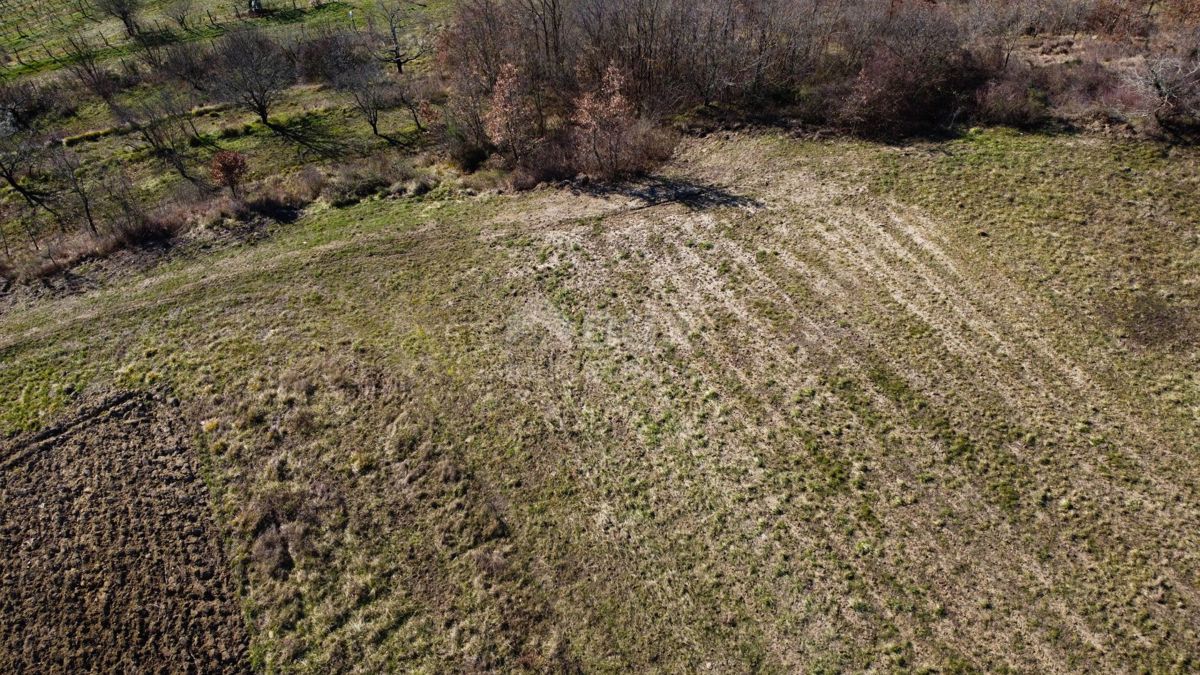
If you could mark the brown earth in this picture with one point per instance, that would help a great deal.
(109, 560)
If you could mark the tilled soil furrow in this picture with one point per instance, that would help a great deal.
(110, 559)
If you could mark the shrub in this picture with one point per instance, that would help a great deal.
(465, 149)
(228, 169)
(554, 158)
(31, 102)
(1078, 89)
(916, 77)
(353, 183)
(604, 122)
(1116, 18)
(510, 122)
(1012, 99)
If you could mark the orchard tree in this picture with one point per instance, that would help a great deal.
(180, 11)
(400, 41)
(253, 71)
(21, 157)
(124, 10)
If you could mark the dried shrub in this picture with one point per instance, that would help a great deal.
(1012, 99)
(228, 169)
(916, 78)
(511, 122)
(351, 184)
(310, 181)
(1078, 89)
(1116, 18)
(79, 247)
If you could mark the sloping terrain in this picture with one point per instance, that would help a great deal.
(111, 561)
(789, 405)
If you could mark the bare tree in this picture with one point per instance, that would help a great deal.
(189, 63)
(253, 71)
(372, 94)
(127, 214)
(350, 67)
(180, 11)
(66, 165)
(84, 64)
(544, 22)
(400, 41)
(21, 155)
(1000, 24)
(1173, 81)
(150, 50)
(124, 10)
(162, 123)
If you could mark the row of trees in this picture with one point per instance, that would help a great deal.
(554, 88)
(53, 187)
(877, 67)
(51, 191)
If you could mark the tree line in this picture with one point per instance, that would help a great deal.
(552, 89)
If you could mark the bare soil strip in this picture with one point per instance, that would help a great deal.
(109, 561)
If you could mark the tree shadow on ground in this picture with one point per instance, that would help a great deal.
(312, 136)
(659, 190)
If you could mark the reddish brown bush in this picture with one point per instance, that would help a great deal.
(1077, 89)
(228, 169)
(511, 122)
(604, 120)
(916, 77)
(1012, 99)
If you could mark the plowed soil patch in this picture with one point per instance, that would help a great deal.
(108, 558)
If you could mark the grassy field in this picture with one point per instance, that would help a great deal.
(790, 405)
(313, 125)
(35, 35)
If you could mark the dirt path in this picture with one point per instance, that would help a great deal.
(109, 561)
